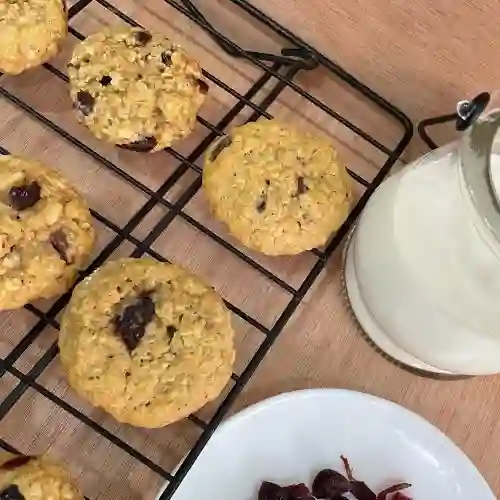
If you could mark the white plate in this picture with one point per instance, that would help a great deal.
(289, 438)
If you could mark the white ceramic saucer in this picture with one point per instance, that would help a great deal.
(289, 438)
(371, 328)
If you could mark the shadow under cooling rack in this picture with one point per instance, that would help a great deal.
(276, 74)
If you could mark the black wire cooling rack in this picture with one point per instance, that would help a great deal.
(279, 70)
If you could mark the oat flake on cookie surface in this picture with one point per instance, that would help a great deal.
(135, 89)
(148, 342)
(279, 190)
(46, 232)
(31, 32)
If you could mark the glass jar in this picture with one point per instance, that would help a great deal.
(423, 264)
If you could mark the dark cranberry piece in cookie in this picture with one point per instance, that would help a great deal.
(25, 196)
(105, 80)
(85, 102)
(59, 243)
(261, 206)
(143, 37)
(171, 330)
(301, 186)
(166, 58)
(15, 462)
(220, 146)
(11, 493)
(131, 323)
(143, 145)
(203, 86)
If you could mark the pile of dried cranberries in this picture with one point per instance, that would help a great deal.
(331, 485)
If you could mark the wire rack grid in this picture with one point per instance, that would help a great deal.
(277, 72)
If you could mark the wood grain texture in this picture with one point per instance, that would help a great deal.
(423, 56)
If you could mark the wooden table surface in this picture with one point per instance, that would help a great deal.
(423, 56)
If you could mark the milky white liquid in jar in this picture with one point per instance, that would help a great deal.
(427, 267)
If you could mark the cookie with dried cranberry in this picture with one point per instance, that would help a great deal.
(148, 342)
(135, 89)
(46, 232)
(31, 32)
(279, 190)
(35, 478)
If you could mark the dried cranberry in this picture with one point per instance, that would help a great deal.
(203, 86)
(143, 145)
(166, 58)
(298, 492)
(261, 205)
(301, 186)
(361, 491)
(59, 243)
(394, 489)
(85, 102)
(105, 80)
(143, 37)
(171, 330)
(223, 143)
(329, 484)
(400, 496)
(347, 467)
(24, 196)
(131, 323)
(11, 493)
(15, 462)
(272, 491)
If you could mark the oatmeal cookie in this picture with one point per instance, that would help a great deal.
(34, 478)
(280, 191)
(148, 342)
(135, 89)
(31, 32)
(45, 232)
